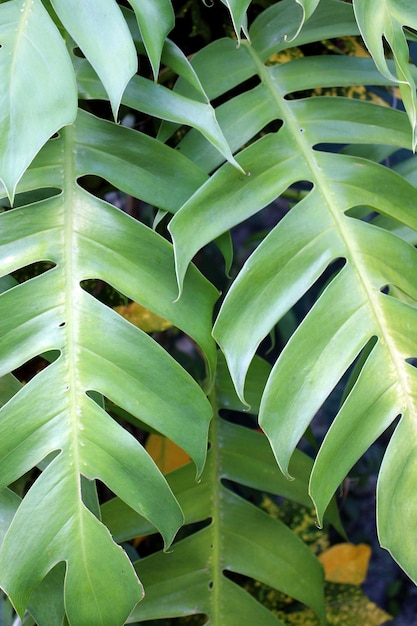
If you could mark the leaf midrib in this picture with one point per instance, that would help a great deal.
(71, 324)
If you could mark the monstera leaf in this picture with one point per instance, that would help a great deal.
(56, 415)
(369, 302)
(248, 129)
(228, 539)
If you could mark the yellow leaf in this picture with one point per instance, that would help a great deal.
(346, 563)
(166, 454)
(141, 317)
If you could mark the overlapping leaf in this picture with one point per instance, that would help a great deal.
(379, 21)
(358, 306)
(308, 8)
(236, 536)
(155, 99)
(56, 421)
(55, 414)
(170, 54)
(33, 60)
(103, 36)
(237, 9)
(155, 18)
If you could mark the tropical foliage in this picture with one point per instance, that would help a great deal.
(204, 143)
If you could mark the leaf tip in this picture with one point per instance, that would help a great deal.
(115, 106)
(10, 190)
(318, 513)
(239, 384)
(414, 140)
(180, 266)
(282, 463)
(239, 167)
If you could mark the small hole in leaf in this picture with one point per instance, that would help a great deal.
(62, 325)
(384, 289)
(211, 585)
(412, 361)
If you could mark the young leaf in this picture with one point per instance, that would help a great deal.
(171, 55)
(174, 58)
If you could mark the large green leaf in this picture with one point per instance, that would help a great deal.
(85, 238)
(59, 553)
(320, 230)
(237, 536)
(33, 60)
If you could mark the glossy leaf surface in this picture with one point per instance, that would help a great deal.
(236, 537)
(319, 236)
(84, 238)
(103, 36)
(155, 18)
(347, 237)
